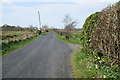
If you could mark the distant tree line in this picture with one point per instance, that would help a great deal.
(6, 27)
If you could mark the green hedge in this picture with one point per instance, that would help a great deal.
(100, 37)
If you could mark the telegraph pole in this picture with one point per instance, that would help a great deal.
(39, 19)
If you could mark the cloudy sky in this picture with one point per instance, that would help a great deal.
(24, 12)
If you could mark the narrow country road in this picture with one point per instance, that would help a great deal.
(47, 57)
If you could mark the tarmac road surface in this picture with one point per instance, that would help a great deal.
(47, 57)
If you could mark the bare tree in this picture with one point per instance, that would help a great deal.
(69, 23)
(45, 27)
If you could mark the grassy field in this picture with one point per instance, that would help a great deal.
(4, 33)
(7, 48)
(15, 33)
(8, 36)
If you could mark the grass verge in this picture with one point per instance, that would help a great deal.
(73, 40)
(81, 66)
(12, 46)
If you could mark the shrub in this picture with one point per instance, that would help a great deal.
(88, 26)
(106, 35)
(101, 38)
(68, 35)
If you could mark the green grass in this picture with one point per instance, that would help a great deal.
(12, 46)
(73, 40)
(82, 68)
